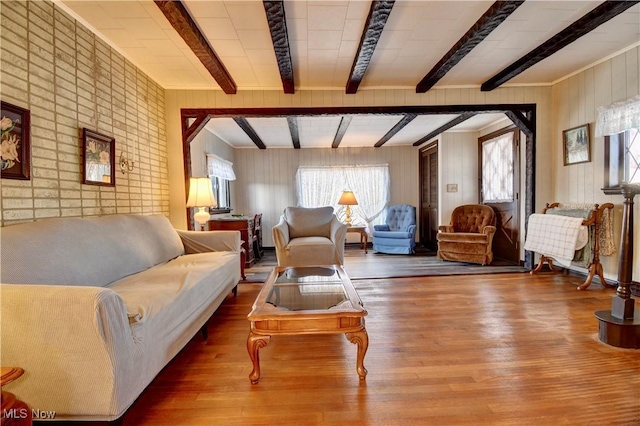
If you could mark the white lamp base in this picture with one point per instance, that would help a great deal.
(202, 217)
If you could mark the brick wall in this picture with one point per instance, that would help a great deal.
(69, 78)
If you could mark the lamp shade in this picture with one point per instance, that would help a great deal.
(200, 193)
(348, 199)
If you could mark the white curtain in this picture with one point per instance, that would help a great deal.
(220, 168)
(322, 186)
(618, 117)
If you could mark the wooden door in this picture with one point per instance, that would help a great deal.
(499, 177)
(429, 197)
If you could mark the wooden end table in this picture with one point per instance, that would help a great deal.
(14, 412)
(364, 237)
(307, 300)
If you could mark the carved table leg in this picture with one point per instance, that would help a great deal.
(543, 259)
(254, 343)
(361, 339)
(594, 269)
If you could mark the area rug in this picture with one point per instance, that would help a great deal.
(361, 266)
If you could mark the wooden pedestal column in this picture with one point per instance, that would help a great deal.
(620, 326)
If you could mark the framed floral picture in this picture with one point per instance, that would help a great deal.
(98, 158)
(15, 149)
(576, 145)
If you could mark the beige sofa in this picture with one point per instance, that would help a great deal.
(309, 236)
(94, 308)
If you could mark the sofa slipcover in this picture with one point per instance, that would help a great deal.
(94, 308)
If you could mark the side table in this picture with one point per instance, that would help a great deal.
(364, 238)
(14, 412)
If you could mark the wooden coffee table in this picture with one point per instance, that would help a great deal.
(307, 300)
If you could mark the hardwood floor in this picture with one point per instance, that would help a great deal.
(507, 349)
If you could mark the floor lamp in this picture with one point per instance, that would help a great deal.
(201, 196)
(348, 199)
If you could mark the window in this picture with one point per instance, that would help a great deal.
(622, 158)
(619, 123)
(322, 186)
(221, 173)
(498, 168)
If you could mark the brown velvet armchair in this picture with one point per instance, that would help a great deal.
(469, 237)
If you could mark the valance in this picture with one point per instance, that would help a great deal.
(220, 168)
(618, 117)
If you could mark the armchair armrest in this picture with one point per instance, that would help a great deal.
(338, 236)
(72, 336)
(489, 230)
(338, 231)
(445, 228)
(381, 228)
(411, 229)
(207, 241)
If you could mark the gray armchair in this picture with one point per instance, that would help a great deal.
(309, 236)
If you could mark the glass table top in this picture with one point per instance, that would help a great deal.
(308, 288)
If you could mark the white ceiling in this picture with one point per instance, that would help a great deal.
(324, 38)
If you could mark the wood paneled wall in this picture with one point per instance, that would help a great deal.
(266, 178)
(575, 102)
(282, 165)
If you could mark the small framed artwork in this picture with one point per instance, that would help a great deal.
(98, 158)
(15, 149)
(577, 146)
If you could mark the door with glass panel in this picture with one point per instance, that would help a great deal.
(499, 178)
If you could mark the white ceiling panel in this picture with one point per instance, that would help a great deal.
(366, 130)
(323, 38)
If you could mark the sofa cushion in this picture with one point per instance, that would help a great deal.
(186, 280)
(91, 251)
(463, 237)
(313, 251)
(307, 222)
(393, 234)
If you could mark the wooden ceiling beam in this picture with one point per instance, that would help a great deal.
(376, 20)
(342, 129)
(598, 16)
(395, 129)
(293, 129)
(244, 125)
(278, 28)
(489, 21)
(459, 119)
(521, 121)
(179, 17)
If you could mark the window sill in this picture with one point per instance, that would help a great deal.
(612, 190)
(218, 211)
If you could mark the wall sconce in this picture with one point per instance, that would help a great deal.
(126, 165)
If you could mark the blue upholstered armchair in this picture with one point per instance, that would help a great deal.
(398, 235)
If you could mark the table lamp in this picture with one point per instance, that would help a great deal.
(201, 196)
(348, 199)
